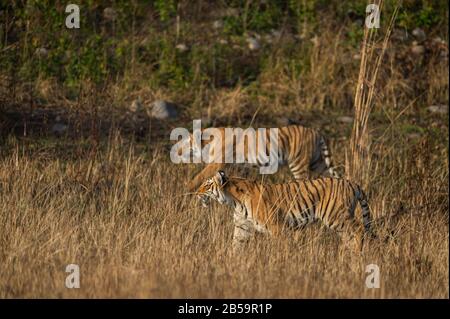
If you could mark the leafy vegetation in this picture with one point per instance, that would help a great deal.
(140, 32)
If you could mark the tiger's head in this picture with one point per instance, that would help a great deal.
(214, 188)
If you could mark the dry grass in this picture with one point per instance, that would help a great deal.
(121, 215)
(358, 163)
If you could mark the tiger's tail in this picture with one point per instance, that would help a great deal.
(366, 214)
(327, 158)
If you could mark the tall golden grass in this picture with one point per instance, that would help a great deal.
(358, 163)
(122, 215)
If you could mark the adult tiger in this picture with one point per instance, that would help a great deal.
(303, 149)
(273, 208)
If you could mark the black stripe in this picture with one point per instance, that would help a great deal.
(317, 182)
(306, 205)
(310, 197)
(295, 219)
(240, 227)
(335, 190)
(315, 187)
(328, 201)
(314, 197)
(353, 188)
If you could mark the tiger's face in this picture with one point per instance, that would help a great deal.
(213, 188)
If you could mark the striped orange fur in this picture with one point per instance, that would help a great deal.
(274, 208)
(303, 149)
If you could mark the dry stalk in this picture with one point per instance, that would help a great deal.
(359, 162)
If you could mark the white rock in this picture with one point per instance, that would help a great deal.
(163, 110)
(440, 109)
(41, 52)
(218, 24)
(181, 47)
(345, 119)
(110, 14)
(253, 44)
(417, 49)
(438, 40)
(223, 41)
(419, 34)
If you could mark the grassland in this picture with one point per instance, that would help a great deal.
(105, 195)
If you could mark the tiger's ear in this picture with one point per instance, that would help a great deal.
(221, 177)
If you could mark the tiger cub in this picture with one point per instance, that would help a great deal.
(303, 149)
(273, 208)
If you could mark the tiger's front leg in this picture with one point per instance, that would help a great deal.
(243, 231)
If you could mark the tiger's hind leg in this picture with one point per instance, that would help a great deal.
(321, 168)
(324, 160)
